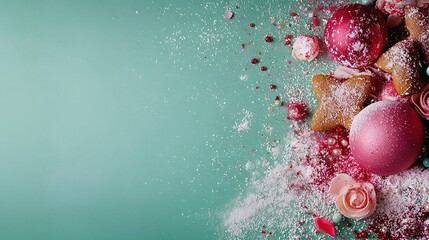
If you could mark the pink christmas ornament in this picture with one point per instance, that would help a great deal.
(386, 137)
(355, 35)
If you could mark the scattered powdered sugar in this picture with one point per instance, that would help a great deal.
(245, 122)
(279, 196)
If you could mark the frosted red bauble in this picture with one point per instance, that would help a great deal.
(386, 137)
(355, 35)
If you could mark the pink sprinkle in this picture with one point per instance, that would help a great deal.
(228, 15)
(324, 226)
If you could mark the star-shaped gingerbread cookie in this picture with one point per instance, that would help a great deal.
(403, 62)
(417, 23)
(339, 102)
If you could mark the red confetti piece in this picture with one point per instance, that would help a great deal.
(324, 226)
(293, 14)
(314, 19)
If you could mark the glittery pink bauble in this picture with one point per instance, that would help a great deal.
(386, 137)
(355, 35)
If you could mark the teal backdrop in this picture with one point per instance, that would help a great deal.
(119, 118)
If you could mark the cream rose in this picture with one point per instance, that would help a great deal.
(305, 48)
(353, 199)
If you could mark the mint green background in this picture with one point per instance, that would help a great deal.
(117, 116)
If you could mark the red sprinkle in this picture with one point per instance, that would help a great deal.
(293, 14)
(254, 61)
(268, 39)
(272, 86)
(315, 22)
(364, 234)
(263, 68)
(288, 39)
(252, 25)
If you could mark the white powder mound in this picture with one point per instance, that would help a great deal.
(278, 195)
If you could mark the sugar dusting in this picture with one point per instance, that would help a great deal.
(245, 122)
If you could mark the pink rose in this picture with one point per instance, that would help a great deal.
(353, 199)
(420, 101)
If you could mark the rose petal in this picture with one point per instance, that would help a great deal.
(357, 214)
(340, 184)
(356, 198)
(324, 226)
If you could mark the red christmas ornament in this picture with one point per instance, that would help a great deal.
(355, 35)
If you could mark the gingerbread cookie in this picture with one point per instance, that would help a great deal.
(339, 102)
(403, 62)
(417, 22)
